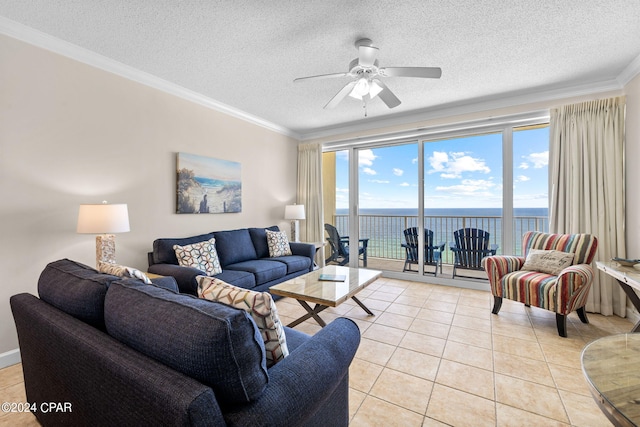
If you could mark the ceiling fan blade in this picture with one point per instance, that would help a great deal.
(387, 96)
(367, 55)
(321, 76)
(424, 72)
(340, 95)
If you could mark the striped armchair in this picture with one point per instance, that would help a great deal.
(561, 294)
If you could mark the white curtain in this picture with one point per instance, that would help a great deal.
(310, 194)
(586, 156)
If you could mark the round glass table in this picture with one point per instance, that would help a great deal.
(611, 366)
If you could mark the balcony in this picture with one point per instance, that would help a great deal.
(385, 233)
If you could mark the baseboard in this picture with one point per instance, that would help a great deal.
(10, 358)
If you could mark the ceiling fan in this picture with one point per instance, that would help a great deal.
(365, 73)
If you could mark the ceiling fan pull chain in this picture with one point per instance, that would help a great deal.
(364, 105)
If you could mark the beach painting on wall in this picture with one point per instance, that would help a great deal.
(208, 185)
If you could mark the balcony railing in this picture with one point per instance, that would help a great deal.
(386, 232)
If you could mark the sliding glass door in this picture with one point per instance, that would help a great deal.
(463, 189)
(392, 198)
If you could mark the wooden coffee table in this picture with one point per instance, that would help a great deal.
(308, 288)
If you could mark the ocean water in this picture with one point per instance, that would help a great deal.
(450, 212)
(384, 227)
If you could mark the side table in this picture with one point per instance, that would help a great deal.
(629, 280)
(317, 245)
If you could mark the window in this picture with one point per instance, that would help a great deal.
(491, 176)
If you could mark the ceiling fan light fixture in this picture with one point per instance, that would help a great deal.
(360, 89)
(374, 89)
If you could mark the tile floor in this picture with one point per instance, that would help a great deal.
(436, 356)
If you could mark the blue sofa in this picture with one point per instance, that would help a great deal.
(123, 353)
(244, 257)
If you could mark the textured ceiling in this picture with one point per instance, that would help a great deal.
(246, 54)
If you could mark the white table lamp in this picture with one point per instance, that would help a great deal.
(294, 213)
(104, 220)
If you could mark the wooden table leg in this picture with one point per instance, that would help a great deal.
(364, 307)
(635, 300)
(311, 312)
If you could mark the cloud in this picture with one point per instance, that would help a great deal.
(342, 190)
(397, 172)
(369, 171)
(538, 160)
(522, 178)
(453, 165)
(378, 181)
(366, 157)
(405, 184)
(438, 160)
(470, 187)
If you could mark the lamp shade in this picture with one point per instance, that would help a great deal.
(294, 212)
(103, 219)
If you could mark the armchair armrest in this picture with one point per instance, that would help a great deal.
(573, 287)
(365, 242)
(303, 383)
(303, 249)
(497, 266)
(185, 276)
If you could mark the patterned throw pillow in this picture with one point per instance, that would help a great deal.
(278, 243)
(123, 271)
(259, 305)
(550, 262)
(201, 255)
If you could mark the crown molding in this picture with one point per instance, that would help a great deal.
(466, 107)
(40, 39)
(45, 41)
(630, 72)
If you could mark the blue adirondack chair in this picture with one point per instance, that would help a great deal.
(470, 246)
(432, 253)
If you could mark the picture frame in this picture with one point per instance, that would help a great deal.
(207, 185)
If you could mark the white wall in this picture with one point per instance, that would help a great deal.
(72, 134)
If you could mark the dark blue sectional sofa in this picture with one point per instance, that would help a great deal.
(244, 257)
(122, 353)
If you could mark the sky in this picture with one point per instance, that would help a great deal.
(459, 173)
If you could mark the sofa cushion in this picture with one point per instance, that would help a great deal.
(259, 239)
(243, 279)
(294, 263)
(234, 246)
(163, 252)
(200, 255)
(76, 289)
(264, 270)
(218, 345)
(259, 305)
(123, 271)
(278, 243)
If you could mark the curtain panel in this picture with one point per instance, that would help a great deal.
(587, 188)
(310, 194)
